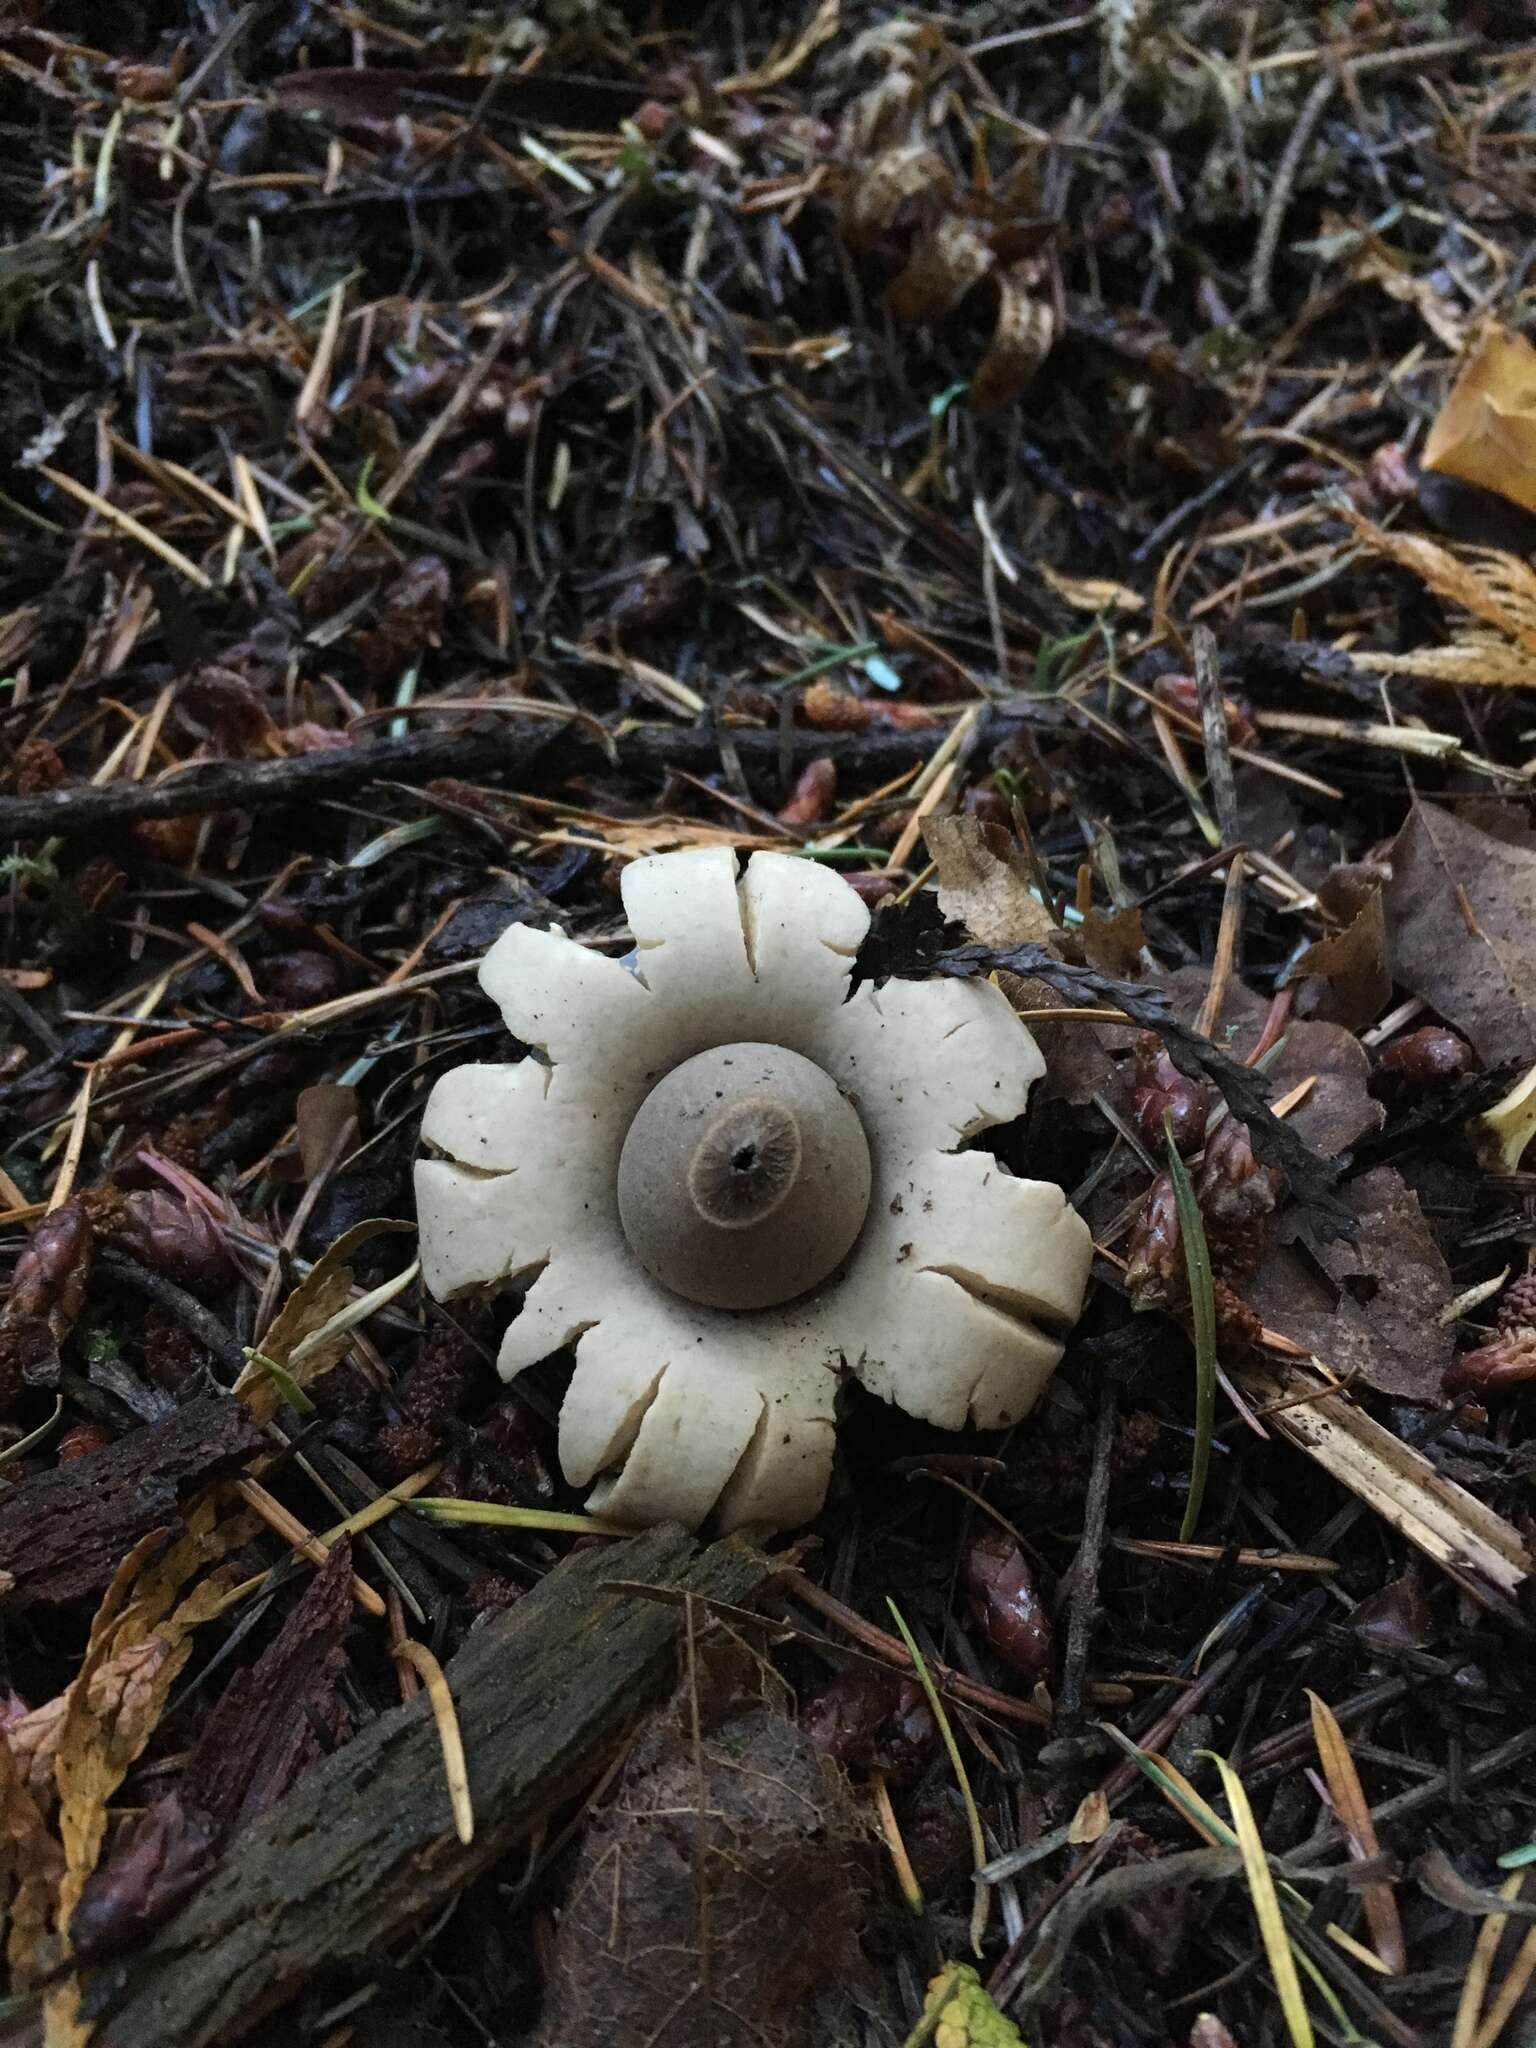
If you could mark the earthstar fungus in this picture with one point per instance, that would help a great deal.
(729, 1183)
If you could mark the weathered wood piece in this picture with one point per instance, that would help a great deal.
(364, 1844)
(63, 1533)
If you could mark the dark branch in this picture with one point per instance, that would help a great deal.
(508, 749)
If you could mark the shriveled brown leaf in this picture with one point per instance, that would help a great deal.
(1461, 924)
(900, 179)
(940, 271)
(986, 892)
(322, 1294)
(1112, 941)
(1340, 1109)
(1354, 964)
(1022, 335)
(321, 1115)
(1370, 1310)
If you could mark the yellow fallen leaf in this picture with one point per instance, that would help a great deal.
(1486, 430)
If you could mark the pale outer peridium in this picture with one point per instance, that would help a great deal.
(683, 1411)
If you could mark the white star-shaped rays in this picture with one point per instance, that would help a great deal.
(950, 1302)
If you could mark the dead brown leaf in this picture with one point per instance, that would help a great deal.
(322, 1114)
(1461, 924)
(31, 1865)
(1353, 962)
(1112, 942)
(1486, 430)
(1369, 1310)
(322, 1294)
(989, 894)
(1022, 334)
(1340, 1109)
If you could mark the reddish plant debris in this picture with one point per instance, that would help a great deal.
(1423, 1064)
(1237, 1195)
(1504, 1363)
(177, 1238)
(37, 765)
(1155, 1272)
(1182, 694)
(46, 1296)
(1006, 1606)
(865, 1717)
(153, 1867)
(814, 794)
(1161, 1090)
(277, 1717)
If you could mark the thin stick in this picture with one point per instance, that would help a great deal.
(254, 785)
(890, 1651)
(1218, 743)
(1085, 1568)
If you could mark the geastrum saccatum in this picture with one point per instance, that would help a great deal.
(728, 1183)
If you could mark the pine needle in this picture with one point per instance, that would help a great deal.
(449, 1508)
(967, 1797)
(1202, 1304)
(1266, 1908)
(455, 1770)
(1353, 1810)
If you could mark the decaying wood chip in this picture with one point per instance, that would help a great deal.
(63, 1532)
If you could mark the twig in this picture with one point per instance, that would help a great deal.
(186, 1308)
(1085, 1569)
(1218, 744)
(1312, 109)
(293, 1531)
(253, 785)
(890, 1651)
